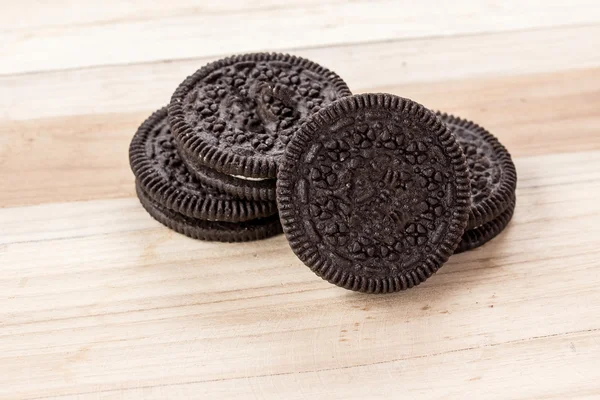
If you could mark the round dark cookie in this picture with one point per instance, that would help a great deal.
(236, 115)
(263, 189)
(158, 167)
(210, 230)
(483, 234)
(373, 193)
(491, 170)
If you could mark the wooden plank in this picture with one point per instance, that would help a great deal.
(200, 34)
(97, 297)
(99, 301)
(41, 14)
(533, 114)
(553, 367)
(56, 160)
(90, 152)
(364, 67)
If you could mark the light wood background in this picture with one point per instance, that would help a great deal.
(99, 301)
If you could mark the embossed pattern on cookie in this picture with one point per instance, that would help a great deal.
(373, 193)
(236, 115)
(163, 176)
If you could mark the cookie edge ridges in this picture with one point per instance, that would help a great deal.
(248, 190)
(258, 232)
(227, 162)
(163, 192)
(494, 206)
(295, 234)
(477, 237)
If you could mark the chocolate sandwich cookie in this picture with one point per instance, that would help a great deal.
(236, 115)
(161, 173)
(255, 229)
(243, 188)
(373, 193)
(486, 232)
(491, 170)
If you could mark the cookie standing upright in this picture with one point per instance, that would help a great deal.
(491, 170)
(373, 193)
(162, 175)
(237, 115)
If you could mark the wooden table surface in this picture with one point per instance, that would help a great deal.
(97, 300)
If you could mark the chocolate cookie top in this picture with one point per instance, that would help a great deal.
(255, 229)
(373, 193)
(236, 115)
(491, 170)
(161, 173)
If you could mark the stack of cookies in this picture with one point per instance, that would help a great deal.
(206, 167)
(374, 192)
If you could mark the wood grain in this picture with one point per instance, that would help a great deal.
(168, 301)
(99, 301)
(73, 12)
(195, 32)
(89, 152)
(109, 89)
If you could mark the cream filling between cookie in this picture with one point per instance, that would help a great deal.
(250, 179)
